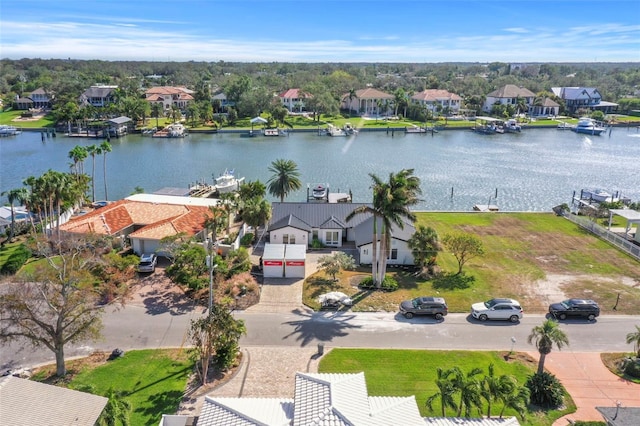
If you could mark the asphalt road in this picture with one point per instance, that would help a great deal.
(138, 327)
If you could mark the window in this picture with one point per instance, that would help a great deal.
(331, 238)
(292, 238)
(394, 254)
(285, 239)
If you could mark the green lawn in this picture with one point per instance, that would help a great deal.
(153, 380)
(7, 117)
(413, 372)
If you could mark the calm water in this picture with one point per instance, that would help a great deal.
(532, 171)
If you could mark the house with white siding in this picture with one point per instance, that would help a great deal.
(576, 98)
(437, 100)
(293, 100)
(99, 95)
(509, 94)
(369, 102)
(169, 96)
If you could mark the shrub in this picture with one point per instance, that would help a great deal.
(246, 239)
(546, 390)
(632, 368)
(388, 284)
(316, 244)
(16, 260)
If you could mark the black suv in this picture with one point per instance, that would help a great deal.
(435, 306)
(576, 308)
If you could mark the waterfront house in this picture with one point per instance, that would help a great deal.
(169, 97)
(145, 219)
(438, 100)
(546, 107)
(99, 95)
(369, 102)
(293, 99)
(39, 98)
(509, 94)
(576, 98)
(225, 103)
(399, 252)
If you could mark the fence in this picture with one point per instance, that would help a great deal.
(603, 233)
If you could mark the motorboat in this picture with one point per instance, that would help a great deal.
(512, 126)
(415, 129)
(565, 126)
(227, 182)
(274, 132)
(588, 126)
(598, 195)
(319, 192)
(488, 126)
(175, 130)
(335, 131)
(349, 129)
(6, 130)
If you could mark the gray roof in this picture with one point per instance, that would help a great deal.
(25, 402)
(320, 399)
(364, 231)
(627, 416)
(98, 92)
(511, 91)
(291, 221)
(119, 120)
(316, 214)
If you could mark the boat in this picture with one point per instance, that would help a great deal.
(598, 195)
(488, 126)
(565, 126)
(227, 182)
(175, 130)
(319, 192)
(335, 131)
(349, 129)
(6, 130)
(415, 129)
(274, 132)
(512, 126)
(148, 131)
(588, 126)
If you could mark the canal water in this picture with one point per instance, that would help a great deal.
(529, 171)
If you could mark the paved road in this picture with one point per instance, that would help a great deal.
(137, 327)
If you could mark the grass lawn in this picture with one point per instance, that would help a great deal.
(413, 372)
(7, 117)
(154, 380)
(524, 253)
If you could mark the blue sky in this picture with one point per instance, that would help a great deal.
(323, 30)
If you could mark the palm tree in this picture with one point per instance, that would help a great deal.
(469, 388)
(545, 336)
(285, 178)
(78, 154)
(490, 388)
(256, 213)
(93, 150)
(424, 246)
(104, 148)
(516, 398)
(351, 96)
(634, 337)
(445, 393)
(14, 195)
(156, 110)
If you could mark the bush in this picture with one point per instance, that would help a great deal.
(546, 390)
(246, 239)
(16, 260)
(316, 244)
(388, 284)
(632, 368)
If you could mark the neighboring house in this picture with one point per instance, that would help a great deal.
(620, 416)
(437, 100)
(170, 96)
(319, 399)
(225, 103)
(399, 252)
(292, 100)
(576, 98)
(369, 101)
(39, 98)
(301, 223)
(146, 219)
(27, 402)
(99, 95)
(547, 108)
(119, 126)
(509, 95)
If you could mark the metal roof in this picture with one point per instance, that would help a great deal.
(316, 214)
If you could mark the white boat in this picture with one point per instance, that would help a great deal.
(319, 192)
(512, 126)
(175, 130)
(6, 130)
(415, 129)
(227, 182)
(588, 126)
(598, 195)
(274, 132)
(349, 129)
(335, 131)
(565, 126)
(488, 126)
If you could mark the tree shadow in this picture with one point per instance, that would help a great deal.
(322, 326)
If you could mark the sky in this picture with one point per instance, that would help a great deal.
(424, 31)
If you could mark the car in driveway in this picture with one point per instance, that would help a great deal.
(435, 306)
(147, 262)
(497, 309)
(575, 308)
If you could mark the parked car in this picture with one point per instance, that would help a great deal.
(147, 262)
(497, 309)
(575, 308)
(435, 306)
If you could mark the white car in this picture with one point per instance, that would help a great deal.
(497, 309)
(147, 262)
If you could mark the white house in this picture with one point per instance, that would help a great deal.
(170, 96)
(369, 101)
(293, 99)
(509, 95)
(436, 100)
(399, 253)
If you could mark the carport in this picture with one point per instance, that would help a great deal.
(273, 260)
(295, 257)
(632, 217)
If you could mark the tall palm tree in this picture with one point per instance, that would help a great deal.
(353, 94)
(490, 388)
(469, 388)
(515, 398)
(93, 150)
(105, 147)
(634, 337)
(13, 196)
(156, 110)
(78, 154)
(445, 393)
(285, 178)
(545, 336)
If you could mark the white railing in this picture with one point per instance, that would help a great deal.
(603, 233)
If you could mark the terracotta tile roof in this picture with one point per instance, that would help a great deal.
(435, 94)
(167, 90)
(157, 220)
(293, 94)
